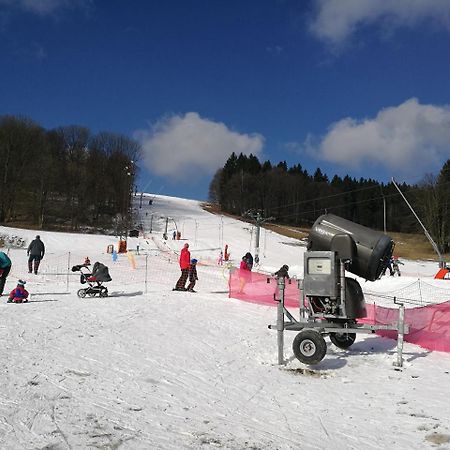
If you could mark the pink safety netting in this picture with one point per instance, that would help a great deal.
(429, 326)
(253, 287)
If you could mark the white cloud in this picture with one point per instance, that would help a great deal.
(336, 20)
(409, 138)
(185, 146)
(45, 7)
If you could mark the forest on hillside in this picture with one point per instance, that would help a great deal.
(290, 195)
(64, 178)
(70, 178)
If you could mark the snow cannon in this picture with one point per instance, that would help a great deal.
(366, 251)
(332, 303)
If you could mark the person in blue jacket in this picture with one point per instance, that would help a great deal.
(5, 267)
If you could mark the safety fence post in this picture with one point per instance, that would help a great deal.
(401, 332)
(146, 272)
(68, 272)
(280, 321)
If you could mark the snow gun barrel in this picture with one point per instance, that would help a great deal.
(368, 251)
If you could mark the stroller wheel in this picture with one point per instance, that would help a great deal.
(81, 293)
(104, 293)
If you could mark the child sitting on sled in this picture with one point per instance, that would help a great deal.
(19, 294)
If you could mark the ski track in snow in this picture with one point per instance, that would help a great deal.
(174, 370)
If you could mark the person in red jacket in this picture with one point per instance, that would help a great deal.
(19, 294)
(185, 261)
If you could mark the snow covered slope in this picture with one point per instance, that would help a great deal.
(148, 368)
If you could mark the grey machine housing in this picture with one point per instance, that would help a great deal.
(335, 245)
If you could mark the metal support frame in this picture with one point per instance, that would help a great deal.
(442, 263)
(280, 321)
(401, 332)
(308, 321)
(343, 311)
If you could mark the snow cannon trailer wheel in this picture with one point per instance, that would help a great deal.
(81, 293)
(309, 347)
(343, 340)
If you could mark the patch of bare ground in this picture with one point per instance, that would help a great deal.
(438, 438)
(408, 246)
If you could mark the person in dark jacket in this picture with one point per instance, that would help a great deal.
(249, 260)
(35, 252)
(5, 267)
(282, 272)
(192, 275)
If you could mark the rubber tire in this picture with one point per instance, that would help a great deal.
(104, 293)
(81, 293)
(309, 347)
(343, 340)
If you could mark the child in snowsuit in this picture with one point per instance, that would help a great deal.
(19, 294)
(220, 259)
(282, 272)
(192, 275)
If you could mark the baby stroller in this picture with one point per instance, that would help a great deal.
(94, 279)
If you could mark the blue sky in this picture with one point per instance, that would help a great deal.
(358, 87)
